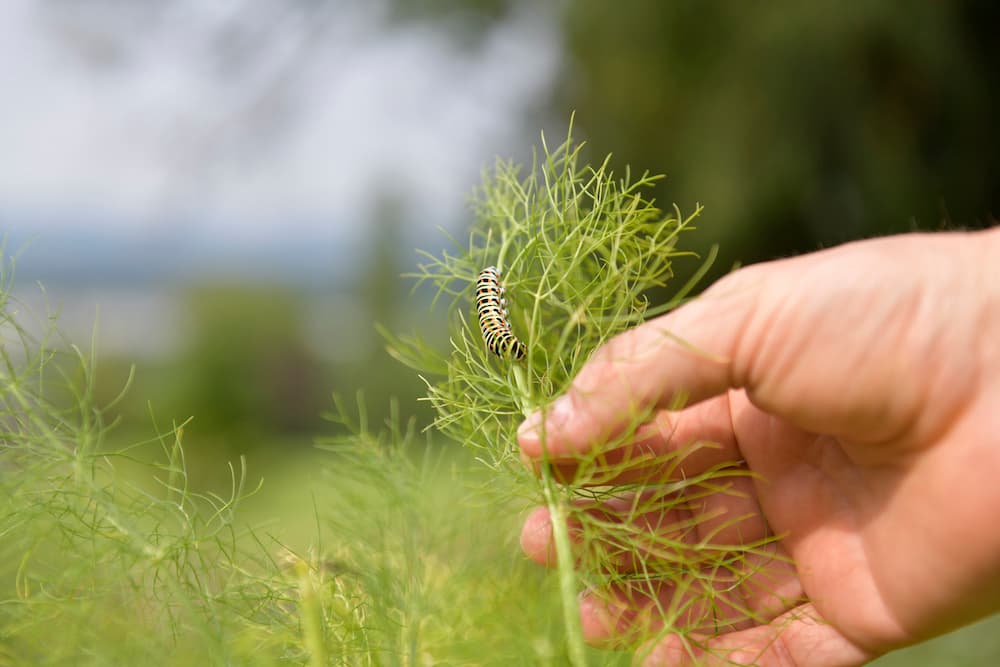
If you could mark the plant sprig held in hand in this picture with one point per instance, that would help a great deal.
(579, 249)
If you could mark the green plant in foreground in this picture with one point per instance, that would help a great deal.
(579, 250)
(113, 546)
(110, 544)
(420, 581)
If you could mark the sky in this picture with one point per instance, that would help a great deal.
(198, 135)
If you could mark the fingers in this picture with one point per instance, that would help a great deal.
(684, 357)
(673, 445)
(706, 602)
(715, 630)
(656, 530)
(797, 637)
(625, 616)
(536, 537)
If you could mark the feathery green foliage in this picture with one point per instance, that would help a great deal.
(579, 249)
(91, 533)
(422, 580)
(111, 546)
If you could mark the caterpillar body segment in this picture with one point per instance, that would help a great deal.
(493, 316)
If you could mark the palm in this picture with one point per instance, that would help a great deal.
(808, 492)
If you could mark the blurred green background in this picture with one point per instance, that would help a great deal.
(236, 190)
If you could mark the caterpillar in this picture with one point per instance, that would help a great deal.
(492, 309)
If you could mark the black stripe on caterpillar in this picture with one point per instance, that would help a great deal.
(493, 316)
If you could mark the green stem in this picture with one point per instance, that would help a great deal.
(311, 611)
(560, 533)
(523, 396)
(565, 570)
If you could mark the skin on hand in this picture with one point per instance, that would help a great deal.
(861, 386)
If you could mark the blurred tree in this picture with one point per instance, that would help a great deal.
(797, 124)
(391, 304)
(246, 374)
(467, 19)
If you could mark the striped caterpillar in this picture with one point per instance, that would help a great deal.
(492, 309)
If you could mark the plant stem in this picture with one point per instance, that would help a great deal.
(565, 569)
(523, 397)
(560, 533)
(311, 616)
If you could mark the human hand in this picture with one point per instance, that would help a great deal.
(861, 386)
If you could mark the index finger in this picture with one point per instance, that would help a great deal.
(686, 356)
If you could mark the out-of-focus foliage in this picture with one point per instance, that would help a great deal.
(797, 124)
(801, 124)
(260, 360)
(247, 364)
(244, 378)
(465, 18)
(379, 557)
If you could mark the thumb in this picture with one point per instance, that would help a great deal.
(686, 356)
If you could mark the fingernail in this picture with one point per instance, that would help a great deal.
(557, 414)
(536, 538)
(530, 425)
(602, 620)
